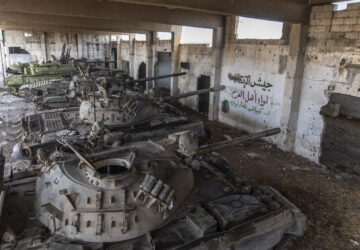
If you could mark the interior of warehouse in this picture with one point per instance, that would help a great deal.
(245, 114)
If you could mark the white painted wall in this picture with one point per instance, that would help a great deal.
(140, 56)
(322, 69)
(252, 107)
(199, 57)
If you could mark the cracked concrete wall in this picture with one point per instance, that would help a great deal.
(199, 58)
(254, 77)
(93, 46)
(332, 65)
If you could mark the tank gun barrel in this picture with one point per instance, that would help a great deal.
(218, 145)
(155, 78)
(192, 93)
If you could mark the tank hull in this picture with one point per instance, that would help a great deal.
(216, 213)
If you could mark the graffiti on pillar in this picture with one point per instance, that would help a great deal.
(246, 80)
(254, 96)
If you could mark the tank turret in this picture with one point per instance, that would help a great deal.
(152, 191)
(128, 108)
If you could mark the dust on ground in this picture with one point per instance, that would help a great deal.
(330, 200)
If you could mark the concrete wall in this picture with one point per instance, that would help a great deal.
(254, 76)
(95, 47)
(44, 44)
(140, 56)
(199, 58)
(332, 65)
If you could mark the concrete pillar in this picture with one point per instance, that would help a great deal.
(150, 51)
(79, 45)
(294, 78)
(175, 43)
(119, 58)
(46, 46)
(132, 55)
(43, 48)
(2, 60)
(216, 63)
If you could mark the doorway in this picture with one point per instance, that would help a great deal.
(204, 99)
(163, 67)
(142, 74)
(114, 58)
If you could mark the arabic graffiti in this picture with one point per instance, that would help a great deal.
(253, 109)
(246, 80)
(251, 100)
(250, 97)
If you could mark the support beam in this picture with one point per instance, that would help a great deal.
(79, 45)
(293, 84)
(2, 59)
(175, 43)
(280, 10)
(41, 21)
(132, 55)
(123, 12)
(217, 54)
(150, 51)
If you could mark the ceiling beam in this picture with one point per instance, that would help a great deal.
(122, 12)
(280, 10)
(64, 29)
(31, 20)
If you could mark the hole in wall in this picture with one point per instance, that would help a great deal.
(340, 144)
(204, 99)
(225, 106)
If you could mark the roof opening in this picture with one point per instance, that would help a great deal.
(140, 37)
(344, 5)
(164, 35)
(192, 35)
(125, 37)
(250, 28)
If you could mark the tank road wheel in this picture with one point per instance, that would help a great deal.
(12, 90)
(25, 93)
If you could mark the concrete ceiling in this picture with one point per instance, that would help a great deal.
(144, 15)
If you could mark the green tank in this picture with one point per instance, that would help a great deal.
(43, 73)
(39, 73)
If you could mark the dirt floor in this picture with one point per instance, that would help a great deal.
(329, 199)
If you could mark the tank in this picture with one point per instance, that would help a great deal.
(164, 194)
(36, 73)
(128, 114)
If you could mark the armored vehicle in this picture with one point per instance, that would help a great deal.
(36, 73)
(166, 194)
(128, 114)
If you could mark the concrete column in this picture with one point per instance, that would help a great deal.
(150, 41)
(119, 58)
(2, 60)
(79, 45)
(132, 55)
(175, 43)
(43, 48)
(217, 53)
(46, 46)
(293, 83)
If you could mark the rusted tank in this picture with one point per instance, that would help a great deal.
(39, 74)
(164, 194)
(128, 114)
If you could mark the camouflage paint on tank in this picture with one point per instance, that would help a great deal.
(34, 73)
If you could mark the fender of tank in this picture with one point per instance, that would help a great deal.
(125, 196)
(118, 112)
